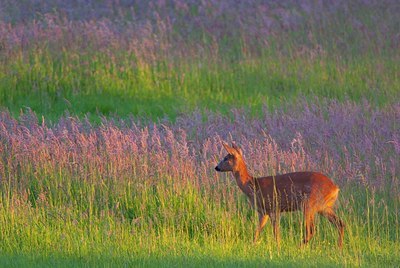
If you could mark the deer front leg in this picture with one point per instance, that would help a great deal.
(262, 220)
(275, 218)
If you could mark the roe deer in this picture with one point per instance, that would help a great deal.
(310, 192)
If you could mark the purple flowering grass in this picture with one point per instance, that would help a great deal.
(148, 27)
(347, 141)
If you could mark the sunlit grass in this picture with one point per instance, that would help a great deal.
(303, 85)
(98, 84)
(167, 226)
(134, 193)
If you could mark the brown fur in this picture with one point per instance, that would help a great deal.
(310, 192)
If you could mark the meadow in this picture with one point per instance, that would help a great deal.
(113, 114)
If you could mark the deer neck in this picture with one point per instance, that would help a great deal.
(243, 178)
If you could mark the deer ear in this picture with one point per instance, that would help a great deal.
(237, 148)
(229, 149)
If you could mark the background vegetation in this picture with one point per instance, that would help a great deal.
(164, 58)
(114, 111)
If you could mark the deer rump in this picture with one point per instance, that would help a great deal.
(293, 191)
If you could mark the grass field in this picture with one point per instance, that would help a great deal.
(148, 66)
(113, 116)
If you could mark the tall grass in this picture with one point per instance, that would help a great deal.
(164, 58)
(134, 193)
(301, 85)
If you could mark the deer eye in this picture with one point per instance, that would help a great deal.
(226, 158)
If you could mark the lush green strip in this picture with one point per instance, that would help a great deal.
(173, 224)
(94, 83)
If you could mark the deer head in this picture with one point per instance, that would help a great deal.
(232, 161)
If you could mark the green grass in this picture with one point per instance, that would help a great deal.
(53, 83)
(171, 223)
(134, 223)
(50, 216)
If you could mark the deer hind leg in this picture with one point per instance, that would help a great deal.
(262, 220)
(335, 220)
(309, 216)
